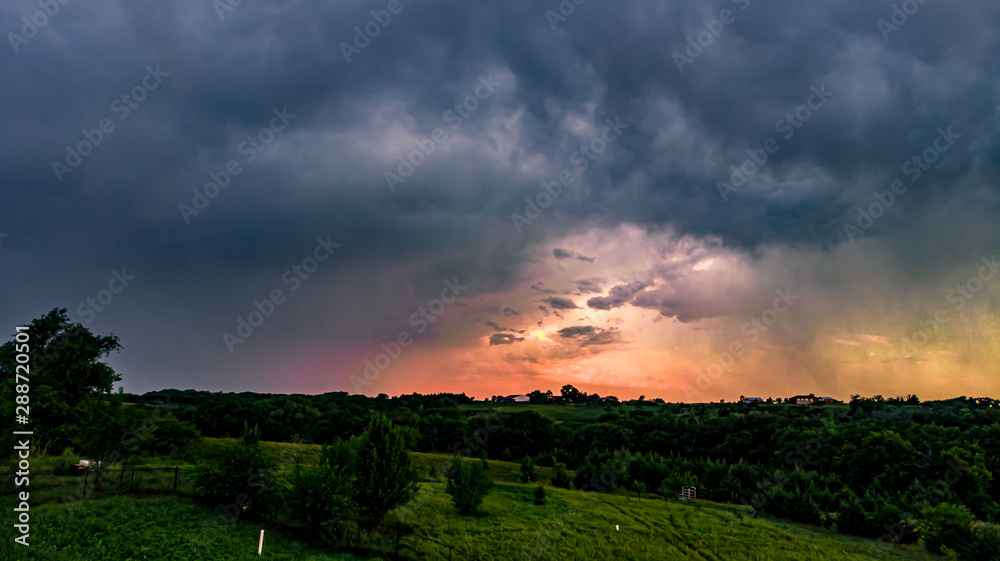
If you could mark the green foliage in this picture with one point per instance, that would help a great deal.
(946, 526)
(984, 544)
(165, 529)
(528, 470)
(468, 484)
(539, 496)
(228, 474)
(69, 381)
(384, 477)
(560, 478)
(323, 492)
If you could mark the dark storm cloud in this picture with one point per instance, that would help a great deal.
(324, 173)
(618, 296)
(568, 254)
(504, 339)
(510, 312)
(590, 335)
(586, 286)
(560, 303)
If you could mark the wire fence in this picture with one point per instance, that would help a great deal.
(137, 481)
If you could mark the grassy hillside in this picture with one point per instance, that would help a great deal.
(574, 525)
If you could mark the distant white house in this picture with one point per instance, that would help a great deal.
(753, 400)
(515, 399)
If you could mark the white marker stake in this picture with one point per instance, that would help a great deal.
(616, 527)
(260, 547)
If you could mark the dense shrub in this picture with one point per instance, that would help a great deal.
(468, 484)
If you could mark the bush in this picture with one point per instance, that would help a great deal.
(539, 495)
(235, 471)
(946, 526)
(527, 470)
(984, 544)
(559, 476)
(321, 493)
(468, 484)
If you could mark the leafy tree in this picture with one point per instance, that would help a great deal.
(468, 484)
(540, 397)
(385, 477)
(69, 381)
(322, 493)
(571, 394)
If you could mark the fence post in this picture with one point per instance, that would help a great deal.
(86, 476)
(131, 481)
(176, 473)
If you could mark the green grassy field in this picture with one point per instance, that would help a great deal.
(161, 529)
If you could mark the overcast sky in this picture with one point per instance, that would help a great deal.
(371, 176)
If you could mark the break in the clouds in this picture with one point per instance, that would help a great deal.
(546, 175)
